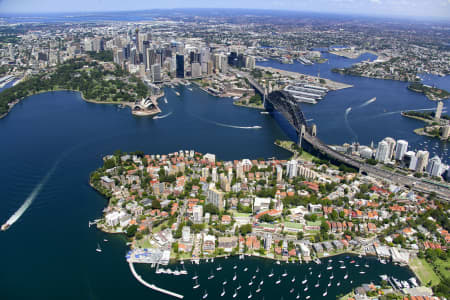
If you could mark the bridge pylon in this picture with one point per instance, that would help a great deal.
(314, 130)
(301, 134)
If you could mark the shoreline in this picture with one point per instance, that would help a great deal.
(236, 103)
(332, 85)
(129, 104)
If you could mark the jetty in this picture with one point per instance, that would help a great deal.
(152, 286)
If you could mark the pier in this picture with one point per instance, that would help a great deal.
(152, 286)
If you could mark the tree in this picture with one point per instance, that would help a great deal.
(156, 204)
(131, 230)
(300, 235)
(324, 227)
(245, 229)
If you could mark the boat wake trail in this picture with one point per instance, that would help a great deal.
(368, 102)
(399, 111)
(347, 112)
(16, 216)
(163, 116)
(228, 125)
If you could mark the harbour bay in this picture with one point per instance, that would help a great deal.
(53, 236)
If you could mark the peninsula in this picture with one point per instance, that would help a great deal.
(188, 205)
(97, 81)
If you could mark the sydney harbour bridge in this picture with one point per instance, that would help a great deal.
(283, 103)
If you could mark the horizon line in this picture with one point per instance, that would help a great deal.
(341, 13)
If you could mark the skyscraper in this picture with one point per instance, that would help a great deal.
(196, 70)
(156, 73)
(391, 147)
(402, 147)
(382, 152)
(434, 167)
(180, 65)
(422, 160)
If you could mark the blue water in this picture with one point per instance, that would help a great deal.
(369, 123)
(49, 253)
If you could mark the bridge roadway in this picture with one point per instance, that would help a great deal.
(292, 112)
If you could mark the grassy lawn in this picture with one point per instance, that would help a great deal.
(144, 243)
(443, 267)
(424, 271)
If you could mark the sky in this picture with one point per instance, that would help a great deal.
(406, 8)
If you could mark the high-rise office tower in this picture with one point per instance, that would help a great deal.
(156, 73)
(180, 65)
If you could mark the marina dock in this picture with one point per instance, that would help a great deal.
(152, 286)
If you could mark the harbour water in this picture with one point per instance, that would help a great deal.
(49, 253)
(372, 122)
(251, 271)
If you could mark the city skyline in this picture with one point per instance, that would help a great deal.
(439, 9)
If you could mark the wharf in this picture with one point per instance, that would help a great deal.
(152, 286)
